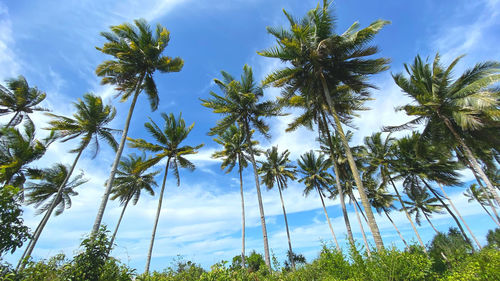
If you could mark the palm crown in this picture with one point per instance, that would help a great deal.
(21, 99)
(315, 172)
(131, 179)
(43, 192)
(235, 148)
(276, 169)
(422, 203)
(89, 122)
(168, 140)
(138, 54)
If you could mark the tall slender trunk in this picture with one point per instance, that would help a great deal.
(447, 209)
(158, 210)
(397, 230)
(489, 214)
(259, 197)
(240, 168)
(114, 167)
(286, 225)
(48, 213)
(460, 216)
(361, 227)
(337, 181)
(328, 219)
(472, 159)
(364, 198)
(118, 225)
(407, 214)
(428, 220)
(12, 120)
(491, 204)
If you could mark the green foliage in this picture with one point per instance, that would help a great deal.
(483, 266)
(493, 238)
(13, 233)
(448, 249)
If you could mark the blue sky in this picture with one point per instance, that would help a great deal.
(52, 43)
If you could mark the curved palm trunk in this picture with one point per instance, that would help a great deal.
(286, 225)
(472, 159)
(361, 227)
(117, 226)
(337, 182)
(259, 197)
(242, 215)
(328, 219)
(397, 230)
(460, 216)
(429, 221)
(107, 191)
(407, 215)
(364, 198)
(158, 210)
(448, 210)
(47, 215)
(12, 120)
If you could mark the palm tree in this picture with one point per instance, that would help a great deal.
(240, 104)
(382, 201)
(277, 170)
(138, 54)
(473, 193)
(89, 124)
(131, 179)
(315, 177)
(421, 203)
(169, 139)
(379, 155)
(44, 193)
(21, 99)
(319, 62)
(459, 107)
(419, 163)
(17, 150)
(235, 152)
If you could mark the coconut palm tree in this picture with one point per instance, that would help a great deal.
(17, 150)
(319, 61)
(276, 170)
(131, 179)
(20, 99)
(89, 124)
(43, 193)
(241, 104)
(421, 203)
(460, 106)
(383, 202)
(235, 152)
(420, 163)
(137, 52)
(168, 145)
(473, 193)
(314, 170)
(379, 155)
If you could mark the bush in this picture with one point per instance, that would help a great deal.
(13, 233)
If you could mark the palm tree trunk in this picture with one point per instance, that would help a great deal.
(48, 213)
(449, 211)
(470, 156)
(328, 219)
(460, 216)
(158, 210)
(407, 214)
(492, 205)
(397, 230)
(117, 226)
(286, 225)
(242, 215)
(12, 120)
(259, 197)
(364, 198)
(107, 191)
(489, 214)
(428, 220)
(337, 182)
(361, 227)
